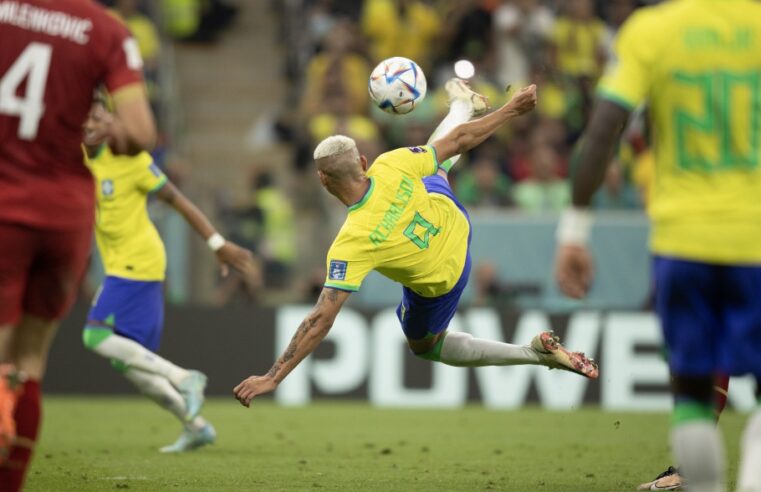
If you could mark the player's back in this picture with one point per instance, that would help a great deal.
(411, 236)
(52, 57)
(701, 72)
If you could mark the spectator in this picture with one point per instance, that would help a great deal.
(337, 72)
(522, 29)
(278, 246)
(483, 185)
(143, 30)
(579, 39)
(401, 28)
(468, 28)
(544, 191)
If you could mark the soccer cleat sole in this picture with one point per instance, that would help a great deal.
(459, 89)
(549, 344)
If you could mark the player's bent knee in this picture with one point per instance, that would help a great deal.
(94, 336)
(429, 349)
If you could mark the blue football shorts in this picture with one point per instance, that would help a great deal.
(425, 316)
(131, 308)
(710, 316)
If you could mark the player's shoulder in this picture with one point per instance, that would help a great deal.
(648, 29)
(404, 153)
(658, 19)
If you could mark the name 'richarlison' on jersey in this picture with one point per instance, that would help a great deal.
(394, 212)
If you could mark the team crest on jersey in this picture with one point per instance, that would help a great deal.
(107, 187)
(417, 150)
(337, 270)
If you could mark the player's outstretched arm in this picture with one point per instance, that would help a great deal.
(573, 263)
(228, 253)
(307, 337)
(469, 135)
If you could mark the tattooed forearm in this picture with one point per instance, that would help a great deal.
(274, 369)
(297, 341)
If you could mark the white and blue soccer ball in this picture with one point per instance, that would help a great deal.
(397, 85)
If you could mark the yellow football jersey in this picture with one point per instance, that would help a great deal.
(127, 240)
(413, 237)
(697, 63)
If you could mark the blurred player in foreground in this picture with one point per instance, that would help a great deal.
(127, 316)
(52, 57)
(405, 222)
(698, 65)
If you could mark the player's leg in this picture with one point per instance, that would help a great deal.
(688, 303)
(670, 479)
(124, 325)
(741, 354)
(425, 321)
(749, 479)
(16, 256)
(463, 105)
(57, 261)
(197, 431)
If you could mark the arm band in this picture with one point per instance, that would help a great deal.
(215, 242)
(574, 226)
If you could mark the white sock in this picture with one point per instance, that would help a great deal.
(462, 350)
(136, 356)
(158, 389)
(460, 111)
(749, 479)
(699, 451)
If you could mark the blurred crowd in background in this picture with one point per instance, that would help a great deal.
(562, 46)
(329, 47)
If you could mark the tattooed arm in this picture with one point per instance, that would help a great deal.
(308, 336)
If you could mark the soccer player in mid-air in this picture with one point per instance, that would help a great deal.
(697, 63)
(405, 222)
(126, 319)
(52, 57)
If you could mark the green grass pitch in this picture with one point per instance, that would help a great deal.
(110, 444)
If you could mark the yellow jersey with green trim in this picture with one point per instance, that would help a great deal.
(127, 239)
(697, 64)
(413, 237)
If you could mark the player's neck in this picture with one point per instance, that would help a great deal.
(355, 191)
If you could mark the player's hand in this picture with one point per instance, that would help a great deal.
(241, 259)
(523, 102)
(574, 270)
(252, 387)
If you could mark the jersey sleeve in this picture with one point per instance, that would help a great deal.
(148, 176)
(347, 264)
(416, 162)
(627, 79)
(123, 62)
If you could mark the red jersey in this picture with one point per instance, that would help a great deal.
(53, 55)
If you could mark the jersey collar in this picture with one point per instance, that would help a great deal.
(366, 196)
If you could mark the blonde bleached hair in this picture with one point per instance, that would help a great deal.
(334, 145)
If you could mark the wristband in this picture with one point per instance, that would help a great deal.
(215, 242)
(574, 226)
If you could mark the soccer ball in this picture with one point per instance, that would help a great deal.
(397, 85)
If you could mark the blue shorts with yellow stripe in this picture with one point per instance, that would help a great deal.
(424, 316)
(133, 309)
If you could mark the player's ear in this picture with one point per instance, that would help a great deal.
(363, 162)
(323, 178)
